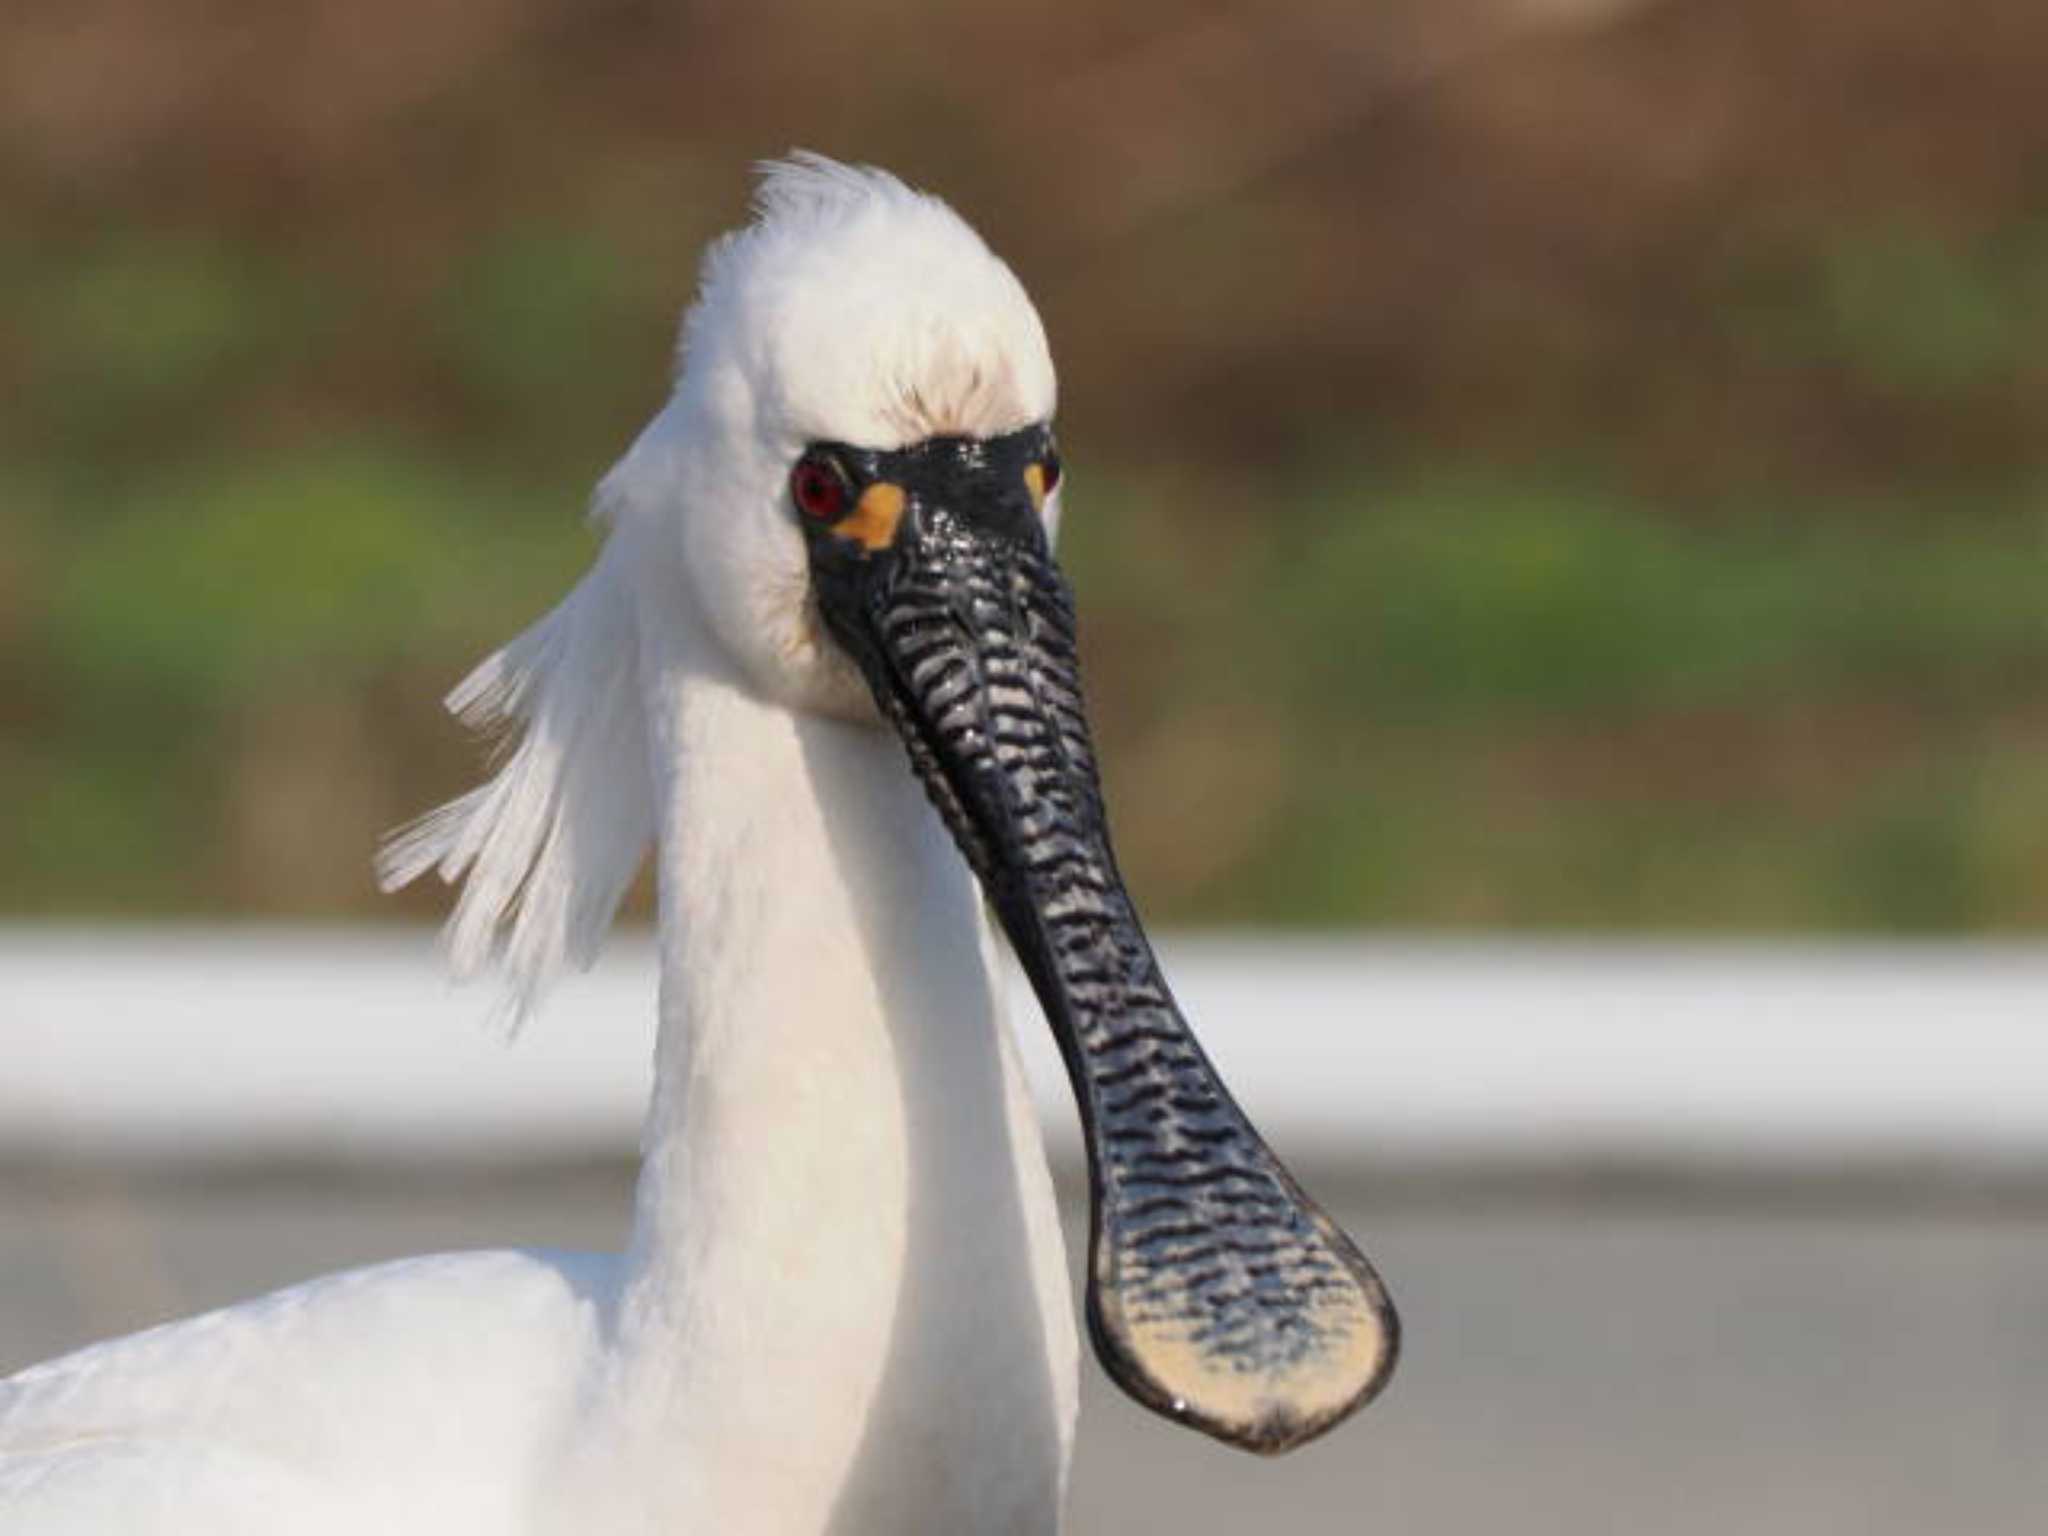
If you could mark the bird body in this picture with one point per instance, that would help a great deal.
(376, 1400)
(844, 1305)
(828, 1331)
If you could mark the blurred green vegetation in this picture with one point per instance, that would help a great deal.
(1696, 587)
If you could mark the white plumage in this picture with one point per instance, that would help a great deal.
(844, 1307)
(547, 847)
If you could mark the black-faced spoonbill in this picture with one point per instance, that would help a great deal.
(825, 667)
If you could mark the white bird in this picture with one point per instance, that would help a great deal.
(844, 1305)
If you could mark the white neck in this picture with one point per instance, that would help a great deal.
(845, 1306)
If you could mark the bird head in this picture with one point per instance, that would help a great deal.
(839, 343)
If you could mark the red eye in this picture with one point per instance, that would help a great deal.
(1049, 466)
(818, 487)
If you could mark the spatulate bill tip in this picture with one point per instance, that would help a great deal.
(1267, 1402)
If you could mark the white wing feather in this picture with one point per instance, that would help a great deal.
(388, 1399)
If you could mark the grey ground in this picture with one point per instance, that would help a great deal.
(1662, 1357)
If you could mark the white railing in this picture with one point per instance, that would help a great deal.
(348, 1044)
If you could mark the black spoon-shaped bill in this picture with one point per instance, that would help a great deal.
(1218, 1292)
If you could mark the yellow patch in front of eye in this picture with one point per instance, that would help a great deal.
(874, 517)
(1034, 481)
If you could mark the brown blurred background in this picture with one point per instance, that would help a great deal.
(1537, 463)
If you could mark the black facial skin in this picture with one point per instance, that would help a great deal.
(1218, 1293)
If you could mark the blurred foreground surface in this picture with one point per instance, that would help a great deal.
(1679, 1362)
(1687, 1238)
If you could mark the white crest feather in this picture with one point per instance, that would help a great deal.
(864, 310)
(546, 848)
